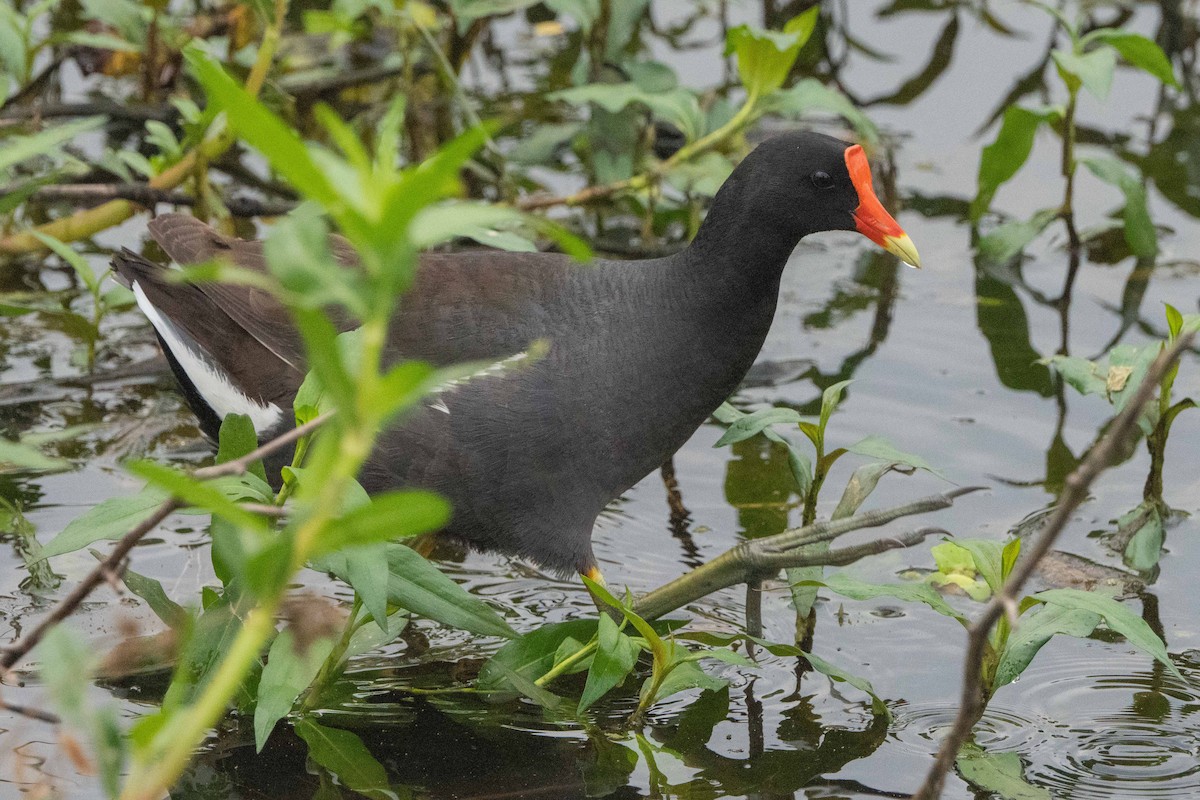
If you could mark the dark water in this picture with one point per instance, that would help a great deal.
(942, 364)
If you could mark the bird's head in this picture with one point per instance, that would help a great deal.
(799, 183)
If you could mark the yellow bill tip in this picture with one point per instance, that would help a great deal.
(903, 248)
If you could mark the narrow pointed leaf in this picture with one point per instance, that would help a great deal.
(1117, 617)
(287, 673)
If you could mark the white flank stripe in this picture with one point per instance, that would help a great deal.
(211, 382)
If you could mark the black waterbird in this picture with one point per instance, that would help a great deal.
(639, 352)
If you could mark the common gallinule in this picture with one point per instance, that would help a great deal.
(640, 352)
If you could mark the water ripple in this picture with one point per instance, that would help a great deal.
(1086, 730)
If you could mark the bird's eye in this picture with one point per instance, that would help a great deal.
(822, 180)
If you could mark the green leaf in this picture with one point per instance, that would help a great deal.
(1117, 617)
(683, 676)
(482, 222)
(798, 461)
(19, 149)
(23, 456)
(1000, 160)
(343, 753)
(197, 493)
(615, 658)
(421, 587)
(988, 557)
(72, 258)
(1008, 557)
(882, 449)
(543, 697)
(1138, 51)
(999, 773)
(1144, 548)
(261, 129)
(778, 649)
(1174, 320)
(810, 95)
(829, 401)
(1094, 70)
(366, 570)
(237, 437)
(1005, 242)
(387, 134)
(950, 557)
(372, 637)
(110, 519)
(532, 655)
(703, 175)
(150, 590)
(467, 11)
(661, 650)
(1035, 629)
(839, 675)
(297, 252)
(752, 424)
(541, 144)
(1083, 375)
(908, 592)
(325, 354)
(287, 673)
(862, 482)
(393, 515)
(764, 58)
(1140, 233)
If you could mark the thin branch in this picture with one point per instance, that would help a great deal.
(111, 564)
(758, 558)
(1102, 455)
(31, 713)
(13, 115)
(143, 194)
(306, 88)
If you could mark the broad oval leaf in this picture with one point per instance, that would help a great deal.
(1093, 70)
(1139, 51)
(616, 655)
(1035, 629)
(764, 58)
(288, 672)
(343, 753)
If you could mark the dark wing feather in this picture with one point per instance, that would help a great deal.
(250, 365)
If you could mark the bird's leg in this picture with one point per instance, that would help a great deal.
(758, 557)
(594, 575)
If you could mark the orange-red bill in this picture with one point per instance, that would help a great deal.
(871, 218)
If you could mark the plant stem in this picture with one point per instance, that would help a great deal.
(1067, 213)
(568, 662)
(190, 729)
